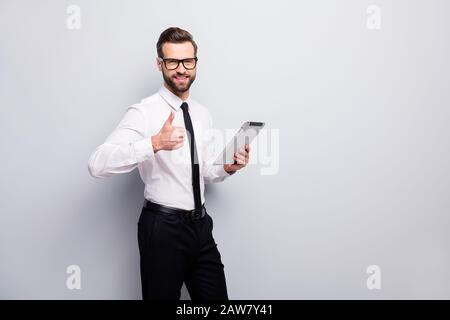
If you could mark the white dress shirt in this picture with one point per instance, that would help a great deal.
(167, 174)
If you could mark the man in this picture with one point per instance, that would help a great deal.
(174, 230)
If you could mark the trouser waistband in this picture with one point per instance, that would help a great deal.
(192, 214)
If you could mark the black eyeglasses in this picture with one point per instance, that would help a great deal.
(172, 64)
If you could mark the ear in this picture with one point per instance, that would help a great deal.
(158, 64)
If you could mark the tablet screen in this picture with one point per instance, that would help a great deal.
(248, 131)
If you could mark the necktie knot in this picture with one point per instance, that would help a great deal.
(185, 106)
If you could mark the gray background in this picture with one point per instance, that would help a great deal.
(364, 144)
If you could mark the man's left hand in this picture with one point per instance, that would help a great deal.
(241, 158)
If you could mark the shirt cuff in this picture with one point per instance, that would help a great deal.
(143, 149)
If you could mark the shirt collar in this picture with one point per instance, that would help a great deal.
(173, 100)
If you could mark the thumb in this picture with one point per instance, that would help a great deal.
(170, 119)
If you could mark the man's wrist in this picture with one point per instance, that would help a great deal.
(230, 172)
(155, 144)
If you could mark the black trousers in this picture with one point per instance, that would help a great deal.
(175, 249)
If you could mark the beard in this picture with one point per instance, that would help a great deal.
(178, 87)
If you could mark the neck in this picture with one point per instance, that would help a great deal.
(182, 95)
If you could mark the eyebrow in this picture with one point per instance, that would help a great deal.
(178, 59)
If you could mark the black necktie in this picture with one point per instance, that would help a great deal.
(194, 158)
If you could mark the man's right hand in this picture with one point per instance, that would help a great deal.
(169, 137)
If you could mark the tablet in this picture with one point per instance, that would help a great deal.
(248, 131)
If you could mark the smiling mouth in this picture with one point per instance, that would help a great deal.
(181, 78)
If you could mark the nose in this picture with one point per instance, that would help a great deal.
(181, 68)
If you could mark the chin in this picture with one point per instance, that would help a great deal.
(183, 88)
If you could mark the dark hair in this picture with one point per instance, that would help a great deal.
(174, 35)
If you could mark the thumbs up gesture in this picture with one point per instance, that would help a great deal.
(169, 137)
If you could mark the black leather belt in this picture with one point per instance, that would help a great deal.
(192, 214)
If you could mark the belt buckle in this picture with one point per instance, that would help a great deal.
(197, 214)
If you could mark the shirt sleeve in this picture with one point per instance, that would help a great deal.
(212, 173)
(124, 148)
